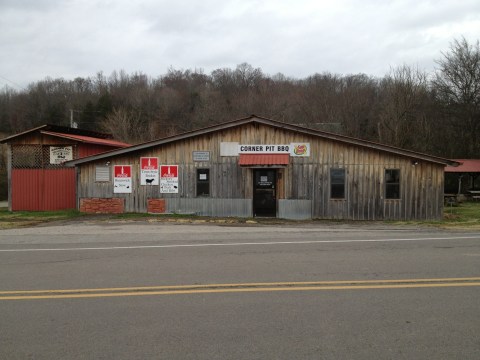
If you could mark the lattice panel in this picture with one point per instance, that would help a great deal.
(27, 157)
(35, 156)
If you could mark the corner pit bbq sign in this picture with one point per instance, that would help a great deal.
(293, 149)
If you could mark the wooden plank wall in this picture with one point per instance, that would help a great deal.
(304, 179)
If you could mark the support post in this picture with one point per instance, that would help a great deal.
(9, 176)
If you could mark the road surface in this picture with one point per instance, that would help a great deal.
(169, 291)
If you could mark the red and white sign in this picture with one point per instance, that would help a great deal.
(169, 179)
(149, 171)
(169, 171)
(122, 180)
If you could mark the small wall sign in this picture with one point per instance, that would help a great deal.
(149, 171)
(122, 180)
(169, 179)
(60, 154)
(201, 156)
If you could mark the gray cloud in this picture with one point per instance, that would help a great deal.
(298, 38)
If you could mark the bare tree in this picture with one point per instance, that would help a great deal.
(457, 85)
(127, 125)
(401, 114)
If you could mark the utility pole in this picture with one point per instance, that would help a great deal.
(72, 123)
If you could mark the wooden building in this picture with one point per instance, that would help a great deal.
(464, 178)
(37, 177)
(260, 167)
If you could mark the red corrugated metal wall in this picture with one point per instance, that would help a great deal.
(43, 189)
(85, 150)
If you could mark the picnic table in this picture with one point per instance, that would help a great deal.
(475, 194)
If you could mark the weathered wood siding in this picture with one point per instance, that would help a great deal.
(306, 180)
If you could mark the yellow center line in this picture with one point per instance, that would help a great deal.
(240, 287)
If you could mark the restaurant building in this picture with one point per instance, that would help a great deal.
(258, 167)
(37, 177)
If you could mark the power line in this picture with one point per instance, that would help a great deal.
(13, 82)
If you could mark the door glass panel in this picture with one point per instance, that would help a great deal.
(264, 198)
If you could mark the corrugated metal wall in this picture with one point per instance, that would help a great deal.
(43, 189)
(85, 150)
(295, 209)
(38, 185)
(210, 207)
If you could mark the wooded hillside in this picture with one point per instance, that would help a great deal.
(436, 113)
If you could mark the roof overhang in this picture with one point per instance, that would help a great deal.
(264, 160)
(414, 156)
(464, 166)
(87, 139)
(58, 129)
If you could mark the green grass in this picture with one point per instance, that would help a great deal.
(28, 218)
(464, 215)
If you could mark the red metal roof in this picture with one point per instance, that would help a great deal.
(263, 159)
(58, 129)
(88, 139)
(466, 166)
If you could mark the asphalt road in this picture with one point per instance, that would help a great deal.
(169, 291)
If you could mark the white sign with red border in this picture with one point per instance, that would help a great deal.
(169, 179)
(293, 149)
(149, 171)
(122, 179)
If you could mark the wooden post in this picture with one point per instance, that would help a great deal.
(9, 176)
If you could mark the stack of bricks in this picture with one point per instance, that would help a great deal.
(102, 205)
(156, 206)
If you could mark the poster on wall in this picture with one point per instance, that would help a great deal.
(149, 171)
(169, 179)
(122, 179)
(60, 154)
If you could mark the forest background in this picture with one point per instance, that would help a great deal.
(436, 113)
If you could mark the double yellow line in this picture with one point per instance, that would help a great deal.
(238, 288)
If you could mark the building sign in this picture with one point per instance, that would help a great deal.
(60, 154)
(122, 179)
(149, 171)
(169, 179)
(293, 149)
(300, 149)
(201, 156)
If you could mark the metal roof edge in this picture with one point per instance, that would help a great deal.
(5, 140)
(161, 141)
(273, 123)
(88, 140)
(60, 128)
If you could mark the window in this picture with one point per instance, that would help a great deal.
(203, 182)
(102, 173)
(337, 183)
(392, 184)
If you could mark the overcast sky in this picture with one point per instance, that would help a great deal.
(71, 38)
